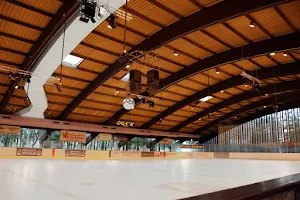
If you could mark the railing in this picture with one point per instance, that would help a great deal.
(268, 147)
(280, 188)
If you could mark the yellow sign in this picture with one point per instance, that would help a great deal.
(9, 129)
(72, 136)
(104, 136)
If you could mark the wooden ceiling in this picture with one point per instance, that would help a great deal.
(223, 42)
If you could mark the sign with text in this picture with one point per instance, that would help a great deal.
(148, 154)
(221, 155)
(74, 153)
(28, 152)
(125, 154)
(72, 136)
(104, 136)
(120, 138)
(10, 129)
(166, 141)
(160, 154)
(191, 146)
(125, 123)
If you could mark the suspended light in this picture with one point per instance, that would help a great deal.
(128, 66)
(246, 84)
(222, 91)
(217, 71)
(128, 103)
(235, 117)
(252, 25)
(285, 54)
(265, 106)
(267, 94)
(117, 92)
(199, 119)
(16, 87)
(176, 53)
(272, 54)
(112, 21)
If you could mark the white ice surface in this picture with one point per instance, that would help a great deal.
(39, 179)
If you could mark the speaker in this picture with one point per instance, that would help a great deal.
(135, 80)
(152, 81)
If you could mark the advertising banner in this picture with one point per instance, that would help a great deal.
(171, 154)
(160, 154)
(166, 141)
(147, 154)
(74, 153)
(125, 154)
(104, 136)
(191, 146)
(72, 136)
(28, 152)
(221, 155)
(10, 129)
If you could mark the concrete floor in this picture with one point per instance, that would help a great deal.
(39, 179)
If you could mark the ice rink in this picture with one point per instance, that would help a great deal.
(37, 179)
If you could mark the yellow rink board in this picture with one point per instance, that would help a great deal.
(10, 152)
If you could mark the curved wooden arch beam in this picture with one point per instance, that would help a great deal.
(66, 11)
(279, 70)
(225, 9)
(282, 43)
(280, 87)
(258, 114)
(265, 102)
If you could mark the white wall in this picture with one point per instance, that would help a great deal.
(76, 31)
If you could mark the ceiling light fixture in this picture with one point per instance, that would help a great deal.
(252, 25)
(199, 119)
(246, 84)
(267, 94)
(204, 99)
(217, 71)
(176, 53)
(112, 20)
(16, 87)
(128, 66)
(117, 92)
(265, 106)
(222, 91)
(285, 54)
(272, 54)
(72, 61)
(128, 103)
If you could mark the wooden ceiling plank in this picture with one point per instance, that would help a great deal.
(65, 11)
(196, 3)
(16, 38)
(13, 51)
(198, 45)
(259, 25)
(265, 73)
(285, 19)
(293, 97)
(216, 38)
(236, 32)
(247, 95)
(21, 23)
(165, 8)
(225, 10)
(112, 38)
(145, 18)
(23, 5)
(99, 49)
